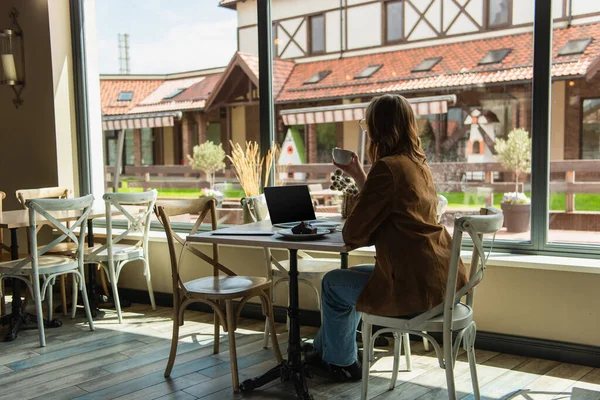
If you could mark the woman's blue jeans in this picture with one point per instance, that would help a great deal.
(336, 340)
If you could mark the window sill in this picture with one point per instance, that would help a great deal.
(506, 260)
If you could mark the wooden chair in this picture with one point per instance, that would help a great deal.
(112, 255)
(218, 291)
(65, 248)
(39, 265)
(450, 316)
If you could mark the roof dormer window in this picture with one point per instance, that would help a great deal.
(318, 77)
(368, 72)
(427, 64)
(174, 93)
(573, 47)
(125, 96)
(494, 56)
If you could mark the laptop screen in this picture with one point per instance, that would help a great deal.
(289, 204)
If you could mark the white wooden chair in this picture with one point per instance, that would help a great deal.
(218, 291)
(112, 255)
(65, 248)
(47, 267)
(451, 316)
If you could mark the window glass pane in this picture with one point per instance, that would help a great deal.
(317, 34)
(129, 147)
(574, 199)
(498, 12)
(147, 147)
(394, 21)
(326, 141)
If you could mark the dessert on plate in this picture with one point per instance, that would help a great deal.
(304, 228)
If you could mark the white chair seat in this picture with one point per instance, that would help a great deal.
(463, 315)
(225, 285)
(51, 264)
(309, 268)
(120, 252)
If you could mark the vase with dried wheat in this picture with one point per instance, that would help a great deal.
(248, 167)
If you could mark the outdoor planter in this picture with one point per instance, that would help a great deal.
(517, 217)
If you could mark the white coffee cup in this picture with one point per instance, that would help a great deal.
(341, 156)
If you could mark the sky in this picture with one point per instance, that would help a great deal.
(165, 36)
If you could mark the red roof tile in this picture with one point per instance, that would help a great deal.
(281, 70)
(200, 90)
(459, 66)
(110, 89)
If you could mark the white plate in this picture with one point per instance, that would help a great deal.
(330, 225)
(289, 235)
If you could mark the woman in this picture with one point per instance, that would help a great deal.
(397, 212)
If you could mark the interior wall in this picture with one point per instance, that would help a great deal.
(28, 134)
(550, 305)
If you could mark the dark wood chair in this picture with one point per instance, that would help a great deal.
(218, 291)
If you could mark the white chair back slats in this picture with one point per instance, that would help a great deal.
(138, 221)
(50, 209)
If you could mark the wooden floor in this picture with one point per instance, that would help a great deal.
(127, 361)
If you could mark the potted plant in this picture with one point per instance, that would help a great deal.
(213, 193)
(514, 154)
(248, 167)
(209, 158)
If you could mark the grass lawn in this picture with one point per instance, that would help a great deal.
(181, 193)
(583, 202)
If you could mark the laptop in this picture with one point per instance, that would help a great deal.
(288, 205)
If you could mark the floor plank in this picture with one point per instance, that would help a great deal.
(127, 361)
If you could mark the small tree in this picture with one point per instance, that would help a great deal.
(514, 153)
(208, 157)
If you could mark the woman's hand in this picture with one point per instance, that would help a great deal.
(355, 170)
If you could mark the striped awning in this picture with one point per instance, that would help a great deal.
(138, 121)
(355, 112)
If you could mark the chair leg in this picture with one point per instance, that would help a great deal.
(266, 334)
(113, 282)
(75, 290)
(470, 347)
(217, 333)
(398, 337)
(174, 340)
(270, 322)
(2, 300)
(366, 336)
(449, 364)
(86, 303)
(37, 297)
(50, 300)
(149, 283)
(63, 294)
(407, 351)
(235, 380)
(425, 343)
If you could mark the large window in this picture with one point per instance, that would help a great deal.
(317, 34)
(590, 129)
(498, 13)
(393, 21)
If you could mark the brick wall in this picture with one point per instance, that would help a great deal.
(137, 147)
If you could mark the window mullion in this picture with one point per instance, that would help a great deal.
(542, 79)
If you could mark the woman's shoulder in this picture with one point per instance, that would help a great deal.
(397, 160)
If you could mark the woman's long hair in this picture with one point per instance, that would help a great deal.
(392, 128)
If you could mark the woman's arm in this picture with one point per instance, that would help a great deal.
(373, 207)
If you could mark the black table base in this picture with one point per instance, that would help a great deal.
(293, 368)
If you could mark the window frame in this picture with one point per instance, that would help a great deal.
(384, 23)
(486, 16)
(309, 33)
(542, 55)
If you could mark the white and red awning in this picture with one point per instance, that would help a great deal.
(355, 112)
(138, 121)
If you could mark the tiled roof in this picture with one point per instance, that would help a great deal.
(200, 90)
(281, 70)
(110, 89)
(156, 102)
(459, 66)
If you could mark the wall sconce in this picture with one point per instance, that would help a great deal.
(12, 73)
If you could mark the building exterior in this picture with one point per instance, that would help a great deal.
(449, 57)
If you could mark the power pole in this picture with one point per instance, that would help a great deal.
(124, 54)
